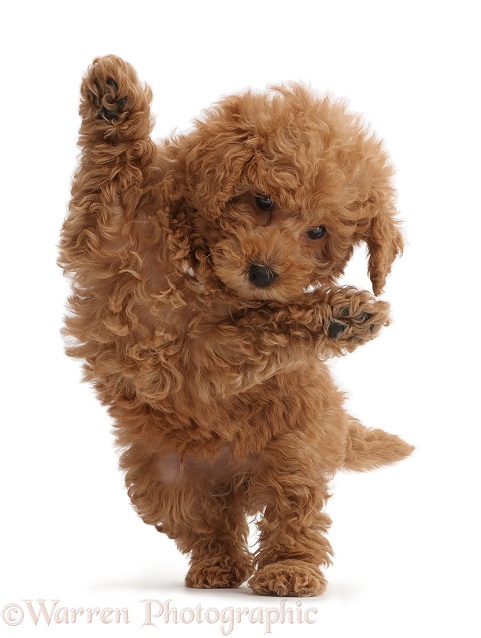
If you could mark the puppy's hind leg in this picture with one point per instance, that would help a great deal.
(291, 489)
(217, 542)
(205, 516)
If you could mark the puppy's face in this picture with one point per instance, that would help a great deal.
(282, 187)
(264, 247)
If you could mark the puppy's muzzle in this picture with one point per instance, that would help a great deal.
(261, 276)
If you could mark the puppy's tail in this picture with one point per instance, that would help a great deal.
(367, 449)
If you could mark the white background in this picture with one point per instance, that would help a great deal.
(406, 538)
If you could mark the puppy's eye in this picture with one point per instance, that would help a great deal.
(264, 202)
(316, 233)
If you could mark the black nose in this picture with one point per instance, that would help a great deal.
(261, 276)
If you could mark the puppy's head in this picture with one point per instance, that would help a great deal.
(281, 187)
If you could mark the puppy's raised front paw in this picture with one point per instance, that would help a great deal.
(357, 317)
(112, 95)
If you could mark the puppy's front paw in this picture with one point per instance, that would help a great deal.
(113, 97)
(357, 317)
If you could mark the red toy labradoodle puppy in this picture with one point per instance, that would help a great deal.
(204, 305)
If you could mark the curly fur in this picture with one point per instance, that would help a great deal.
(222, 402)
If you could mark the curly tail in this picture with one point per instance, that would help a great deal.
(367, 449)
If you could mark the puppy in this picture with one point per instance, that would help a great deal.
(204, 305)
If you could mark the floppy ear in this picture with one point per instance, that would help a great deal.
(384, 241)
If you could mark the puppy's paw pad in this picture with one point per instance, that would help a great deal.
(111, 90)
(335, 329)
(106, 101)
(289, 578)
(363, 316)
(105, 88)
(360, 314)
